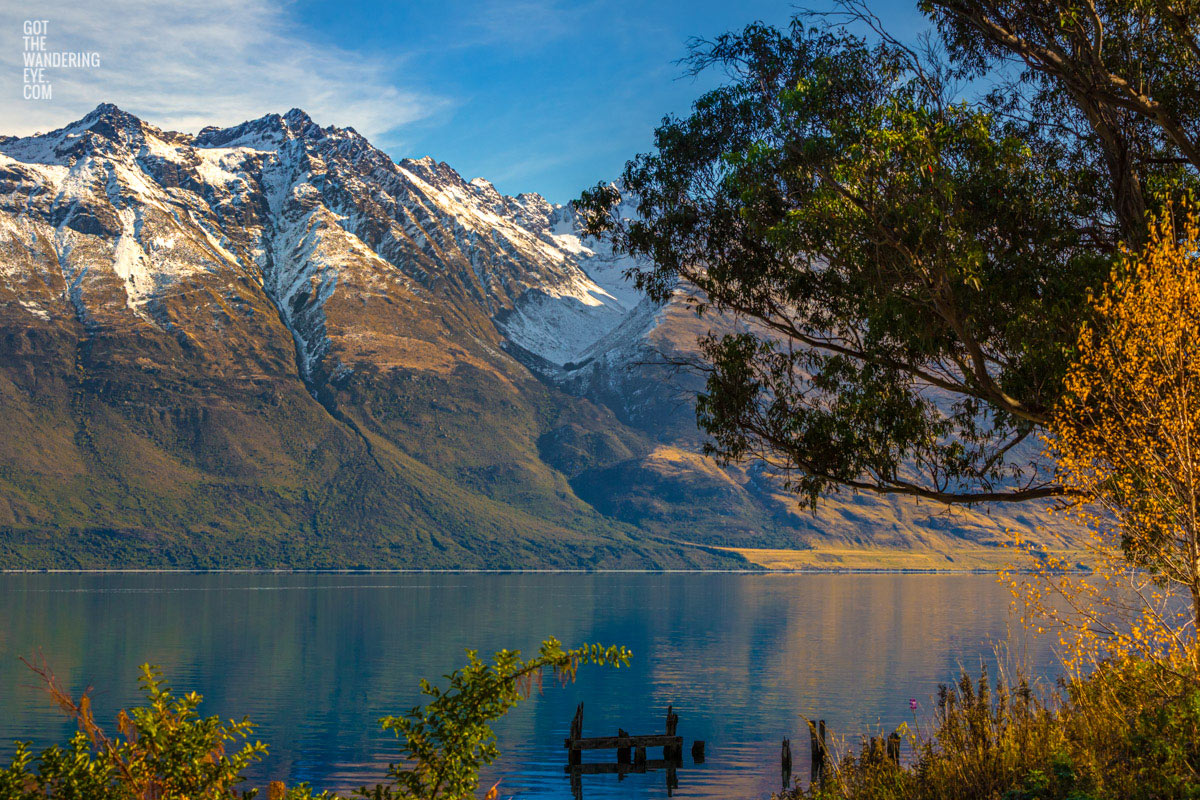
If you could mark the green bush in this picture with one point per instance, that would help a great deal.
(166, 751)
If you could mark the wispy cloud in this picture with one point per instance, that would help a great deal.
(521, 23)
(186, 65)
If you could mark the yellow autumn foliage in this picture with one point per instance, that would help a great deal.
(1126, 444)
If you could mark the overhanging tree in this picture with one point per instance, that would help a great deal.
(909, 232)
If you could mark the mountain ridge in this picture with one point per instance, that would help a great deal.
(272, 345)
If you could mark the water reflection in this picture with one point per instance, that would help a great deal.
(317, 659)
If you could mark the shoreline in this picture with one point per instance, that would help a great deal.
(417, 571)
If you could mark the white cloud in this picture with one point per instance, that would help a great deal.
(185, 65)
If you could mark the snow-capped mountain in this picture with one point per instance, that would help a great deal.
(273, 344)
(299, 209)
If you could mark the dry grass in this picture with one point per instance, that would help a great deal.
(1127, 731)
(878, 558)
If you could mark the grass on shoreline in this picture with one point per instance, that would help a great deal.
(1130, 730)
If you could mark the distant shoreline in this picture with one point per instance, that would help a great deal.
(414, 571)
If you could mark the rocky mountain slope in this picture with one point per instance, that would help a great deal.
(271, 345)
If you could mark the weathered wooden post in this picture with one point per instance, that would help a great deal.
(575, 755)
(820, 754)
(577, 723)
(623, 743)
(785, 762)
(893, 747)
(698, 752)
(672, 752)
(276, 790)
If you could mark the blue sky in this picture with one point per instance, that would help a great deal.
(542, 96)
(535, 95)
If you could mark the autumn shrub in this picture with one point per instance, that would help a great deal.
(1125, 444)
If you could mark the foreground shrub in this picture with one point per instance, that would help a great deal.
(166, 751)
(163, 750)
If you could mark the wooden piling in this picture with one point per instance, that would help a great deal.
(575, 756)
(893, 747)
(672, 752)
(818, 749)
(623, 743)
(577, 723)
(785, 755)
(698, 752)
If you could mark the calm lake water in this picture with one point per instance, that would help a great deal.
(316, 659)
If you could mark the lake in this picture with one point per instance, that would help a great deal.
(316, 659)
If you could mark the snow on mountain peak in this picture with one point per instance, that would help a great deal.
(298, 118)
(327, 192)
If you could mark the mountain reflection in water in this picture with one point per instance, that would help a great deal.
(316, 659)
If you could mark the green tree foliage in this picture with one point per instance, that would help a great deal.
(908, 234)
(446, 741)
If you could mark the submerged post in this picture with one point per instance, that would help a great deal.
(698, 752)
(622, 752)
(785, 762)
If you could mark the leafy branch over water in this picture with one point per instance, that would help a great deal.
(447, 740)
